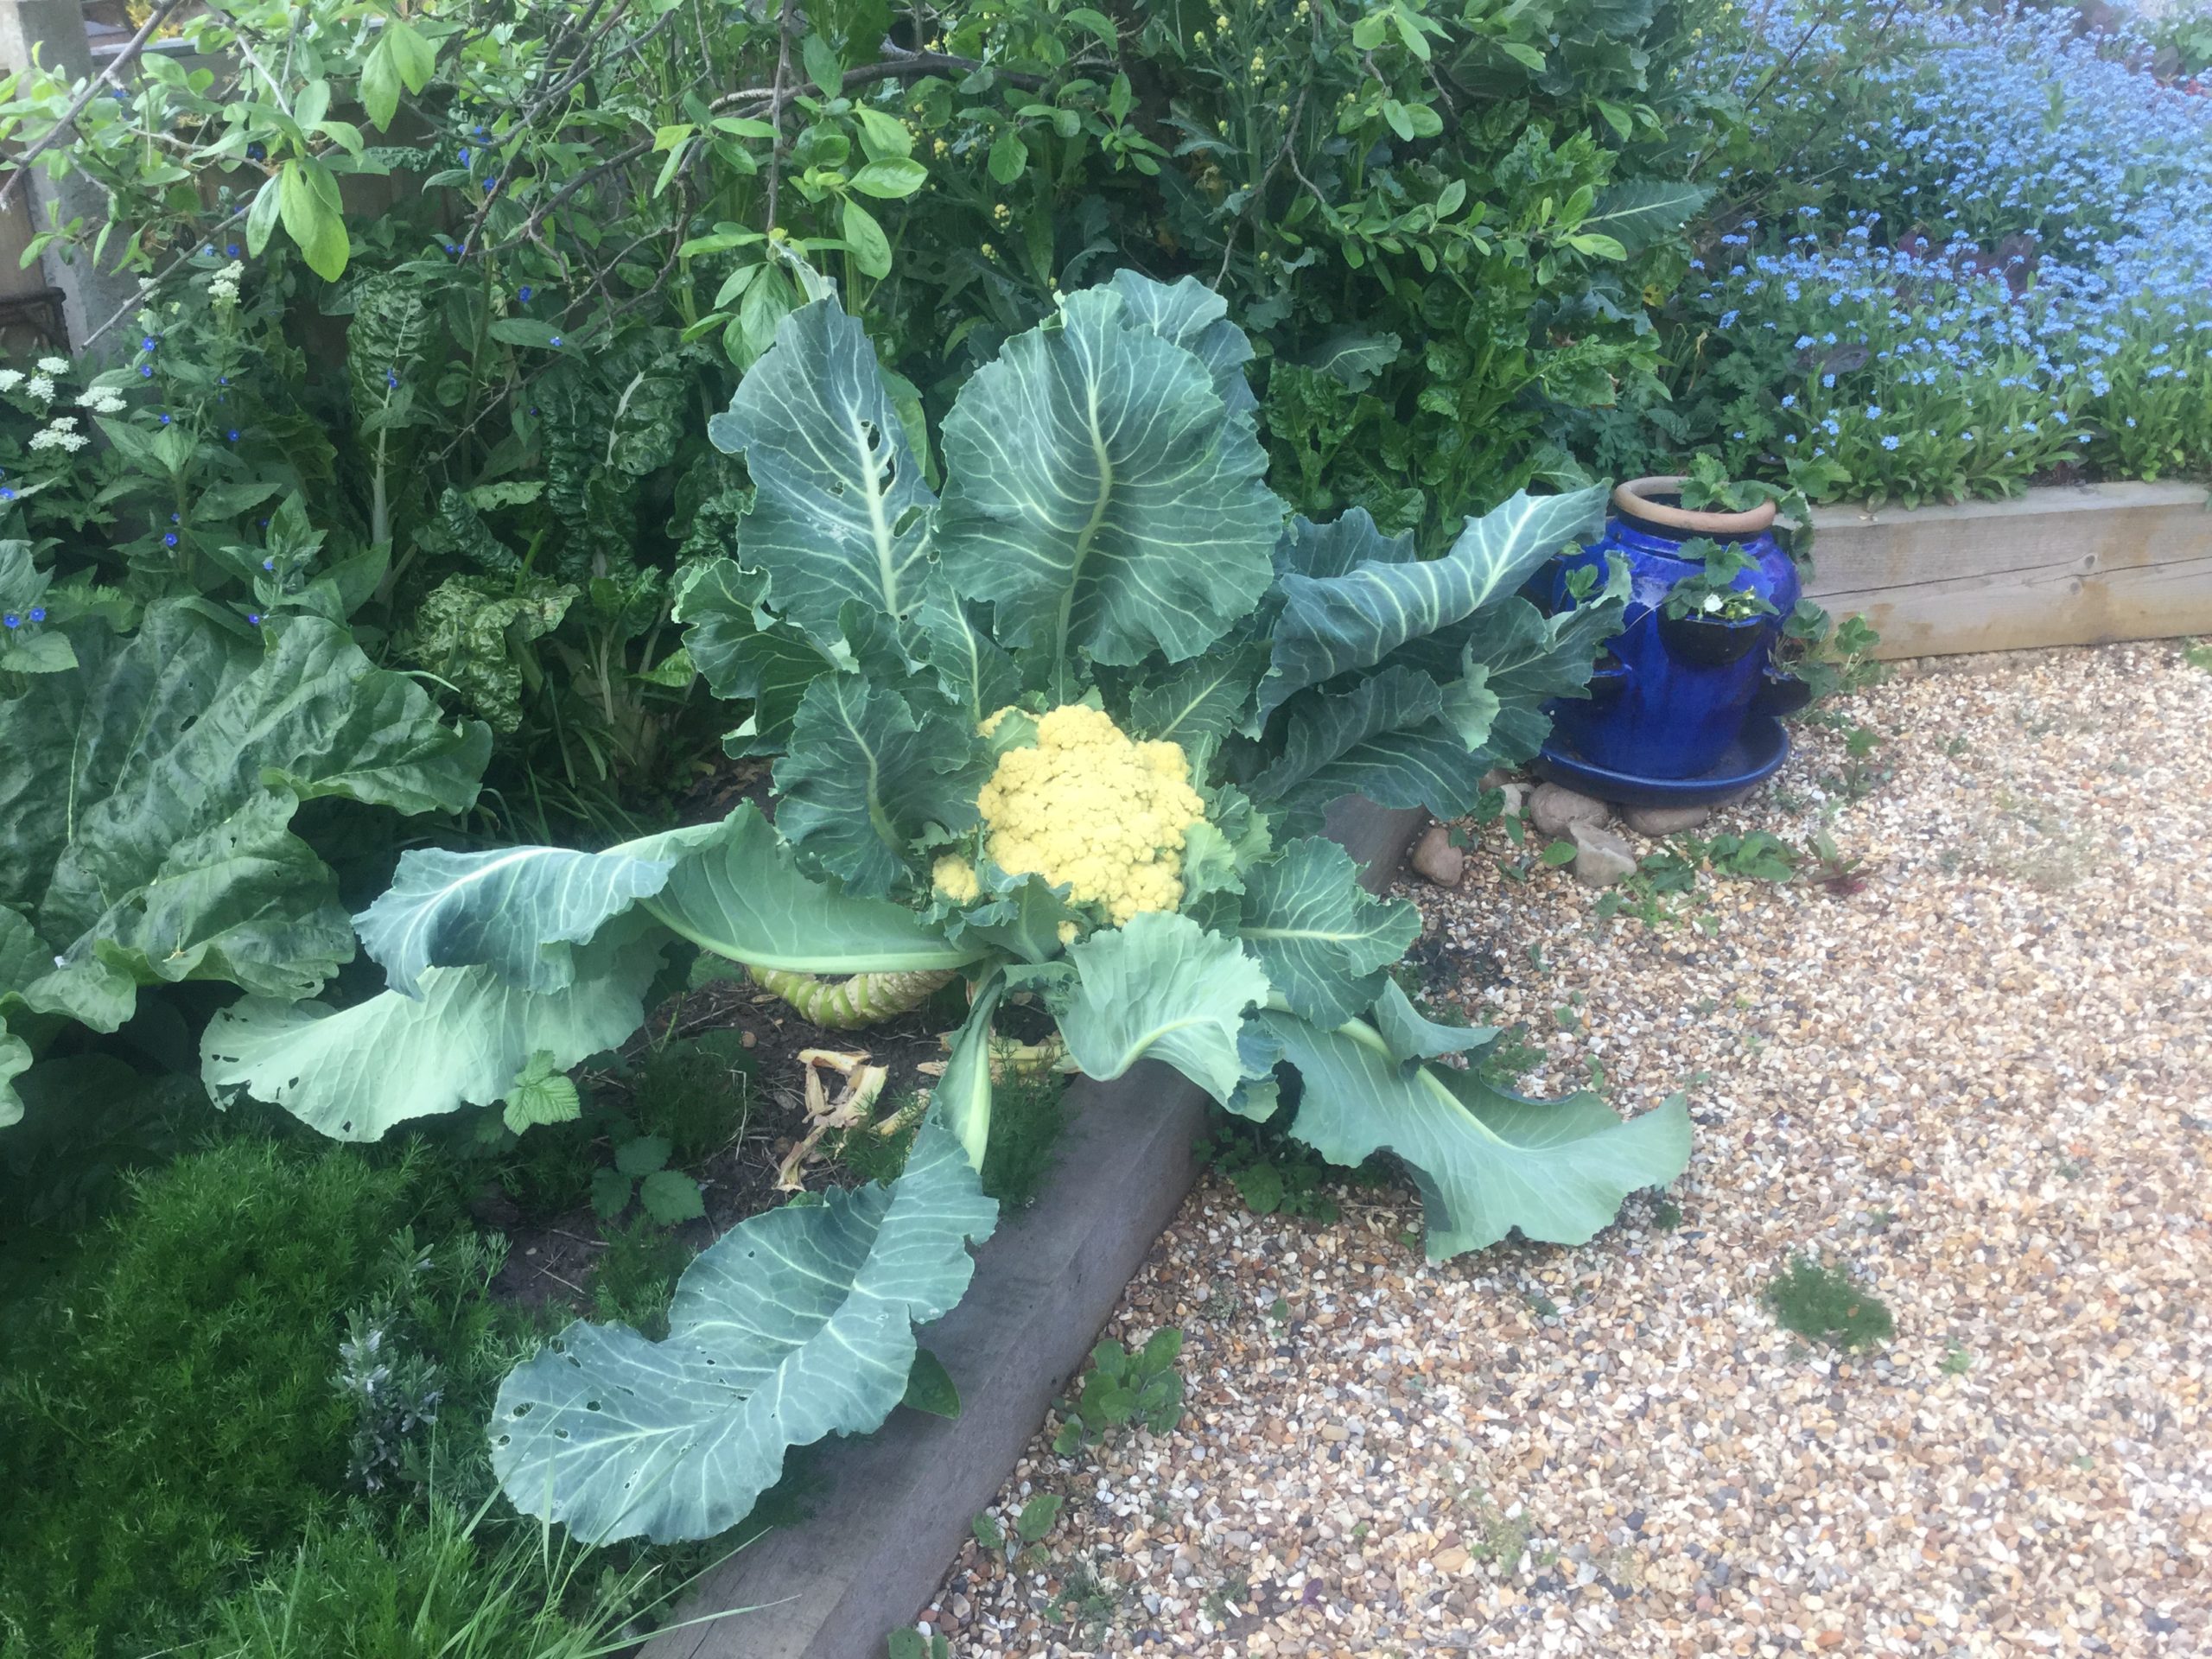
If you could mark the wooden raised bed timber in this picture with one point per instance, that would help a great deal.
(2074, 565)
(895, 1506)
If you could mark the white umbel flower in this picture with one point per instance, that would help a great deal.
(40, 387)
(53, 366)
(11, 378)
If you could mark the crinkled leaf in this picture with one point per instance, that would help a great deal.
(541, 1093)
(866, 777)
(518, 910)
(1020, 914)
(1486, 1161)
(795, 1325)
(839, 509)
(1161, 987)
(1384, 738)
(1332, 626)
(1200, 703)
(1099, 494)
(1526, 658)
(972, 670)
(670, 1197)
(642, 1154)
(746, 654)
(146, 798)
(1324, 941)
(737, 890)
(470, 632)
(352, 1073)
(1195, 318)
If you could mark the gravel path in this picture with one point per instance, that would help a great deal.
(1982, 1082)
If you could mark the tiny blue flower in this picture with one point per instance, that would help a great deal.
(1890, 442)
(38, 612)
(233, 434)
(169, 539)
(231, 248)
(149, 343)
(490, 185)
(254, 617)
(145, 370)
(1789, 400)
(524, 292)
(175, 519)
(464, 154)
(1873, 411)
(165, 420)
(269, 564)
(556, 341)
(391, 378)
(12, 620)
(1829, 379)
(6, 495)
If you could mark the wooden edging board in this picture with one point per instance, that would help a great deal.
(895, 1506)
(2083, 564)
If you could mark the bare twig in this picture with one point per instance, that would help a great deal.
(110, 76)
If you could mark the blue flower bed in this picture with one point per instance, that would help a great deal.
(1975, 252)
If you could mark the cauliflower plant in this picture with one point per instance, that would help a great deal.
(1088, 806)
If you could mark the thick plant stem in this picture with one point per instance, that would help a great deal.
(845, 1004)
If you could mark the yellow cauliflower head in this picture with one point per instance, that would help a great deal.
(1088, 806)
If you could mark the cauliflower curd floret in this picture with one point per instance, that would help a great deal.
(1090, 807)
(954, 877)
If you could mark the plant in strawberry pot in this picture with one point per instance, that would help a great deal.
(1687, 710)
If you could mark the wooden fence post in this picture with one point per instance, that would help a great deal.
(54, 29)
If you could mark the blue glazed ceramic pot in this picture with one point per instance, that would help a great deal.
(1677, 691)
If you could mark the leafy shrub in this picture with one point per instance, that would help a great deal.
(171, 1403)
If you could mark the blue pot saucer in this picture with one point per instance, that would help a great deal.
(1755, 756)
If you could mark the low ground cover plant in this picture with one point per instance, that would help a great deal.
(1955, 252)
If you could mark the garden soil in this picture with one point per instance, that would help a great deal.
(1973, 1073)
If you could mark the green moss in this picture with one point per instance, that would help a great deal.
(169, 1401)
(1822, 1304)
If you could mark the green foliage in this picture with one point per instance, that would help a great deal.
(1037, 1517)
(1122, 1386)
(427, 1585)
(777, 1335)
(911, 1644)
(148, 801)
(1821, 1303)
(170, 1402)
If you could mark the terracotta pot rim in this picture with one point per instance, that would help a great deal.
(1633, 498)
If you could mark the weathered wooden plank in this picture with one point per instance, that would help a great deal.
(896, 1505)
(2082, 565)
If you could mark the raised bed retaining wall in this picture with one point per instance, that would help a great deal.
(2080, 565)
(895, 1506)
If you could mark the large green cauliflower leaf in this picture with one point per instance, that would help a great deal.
(795, 1325)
